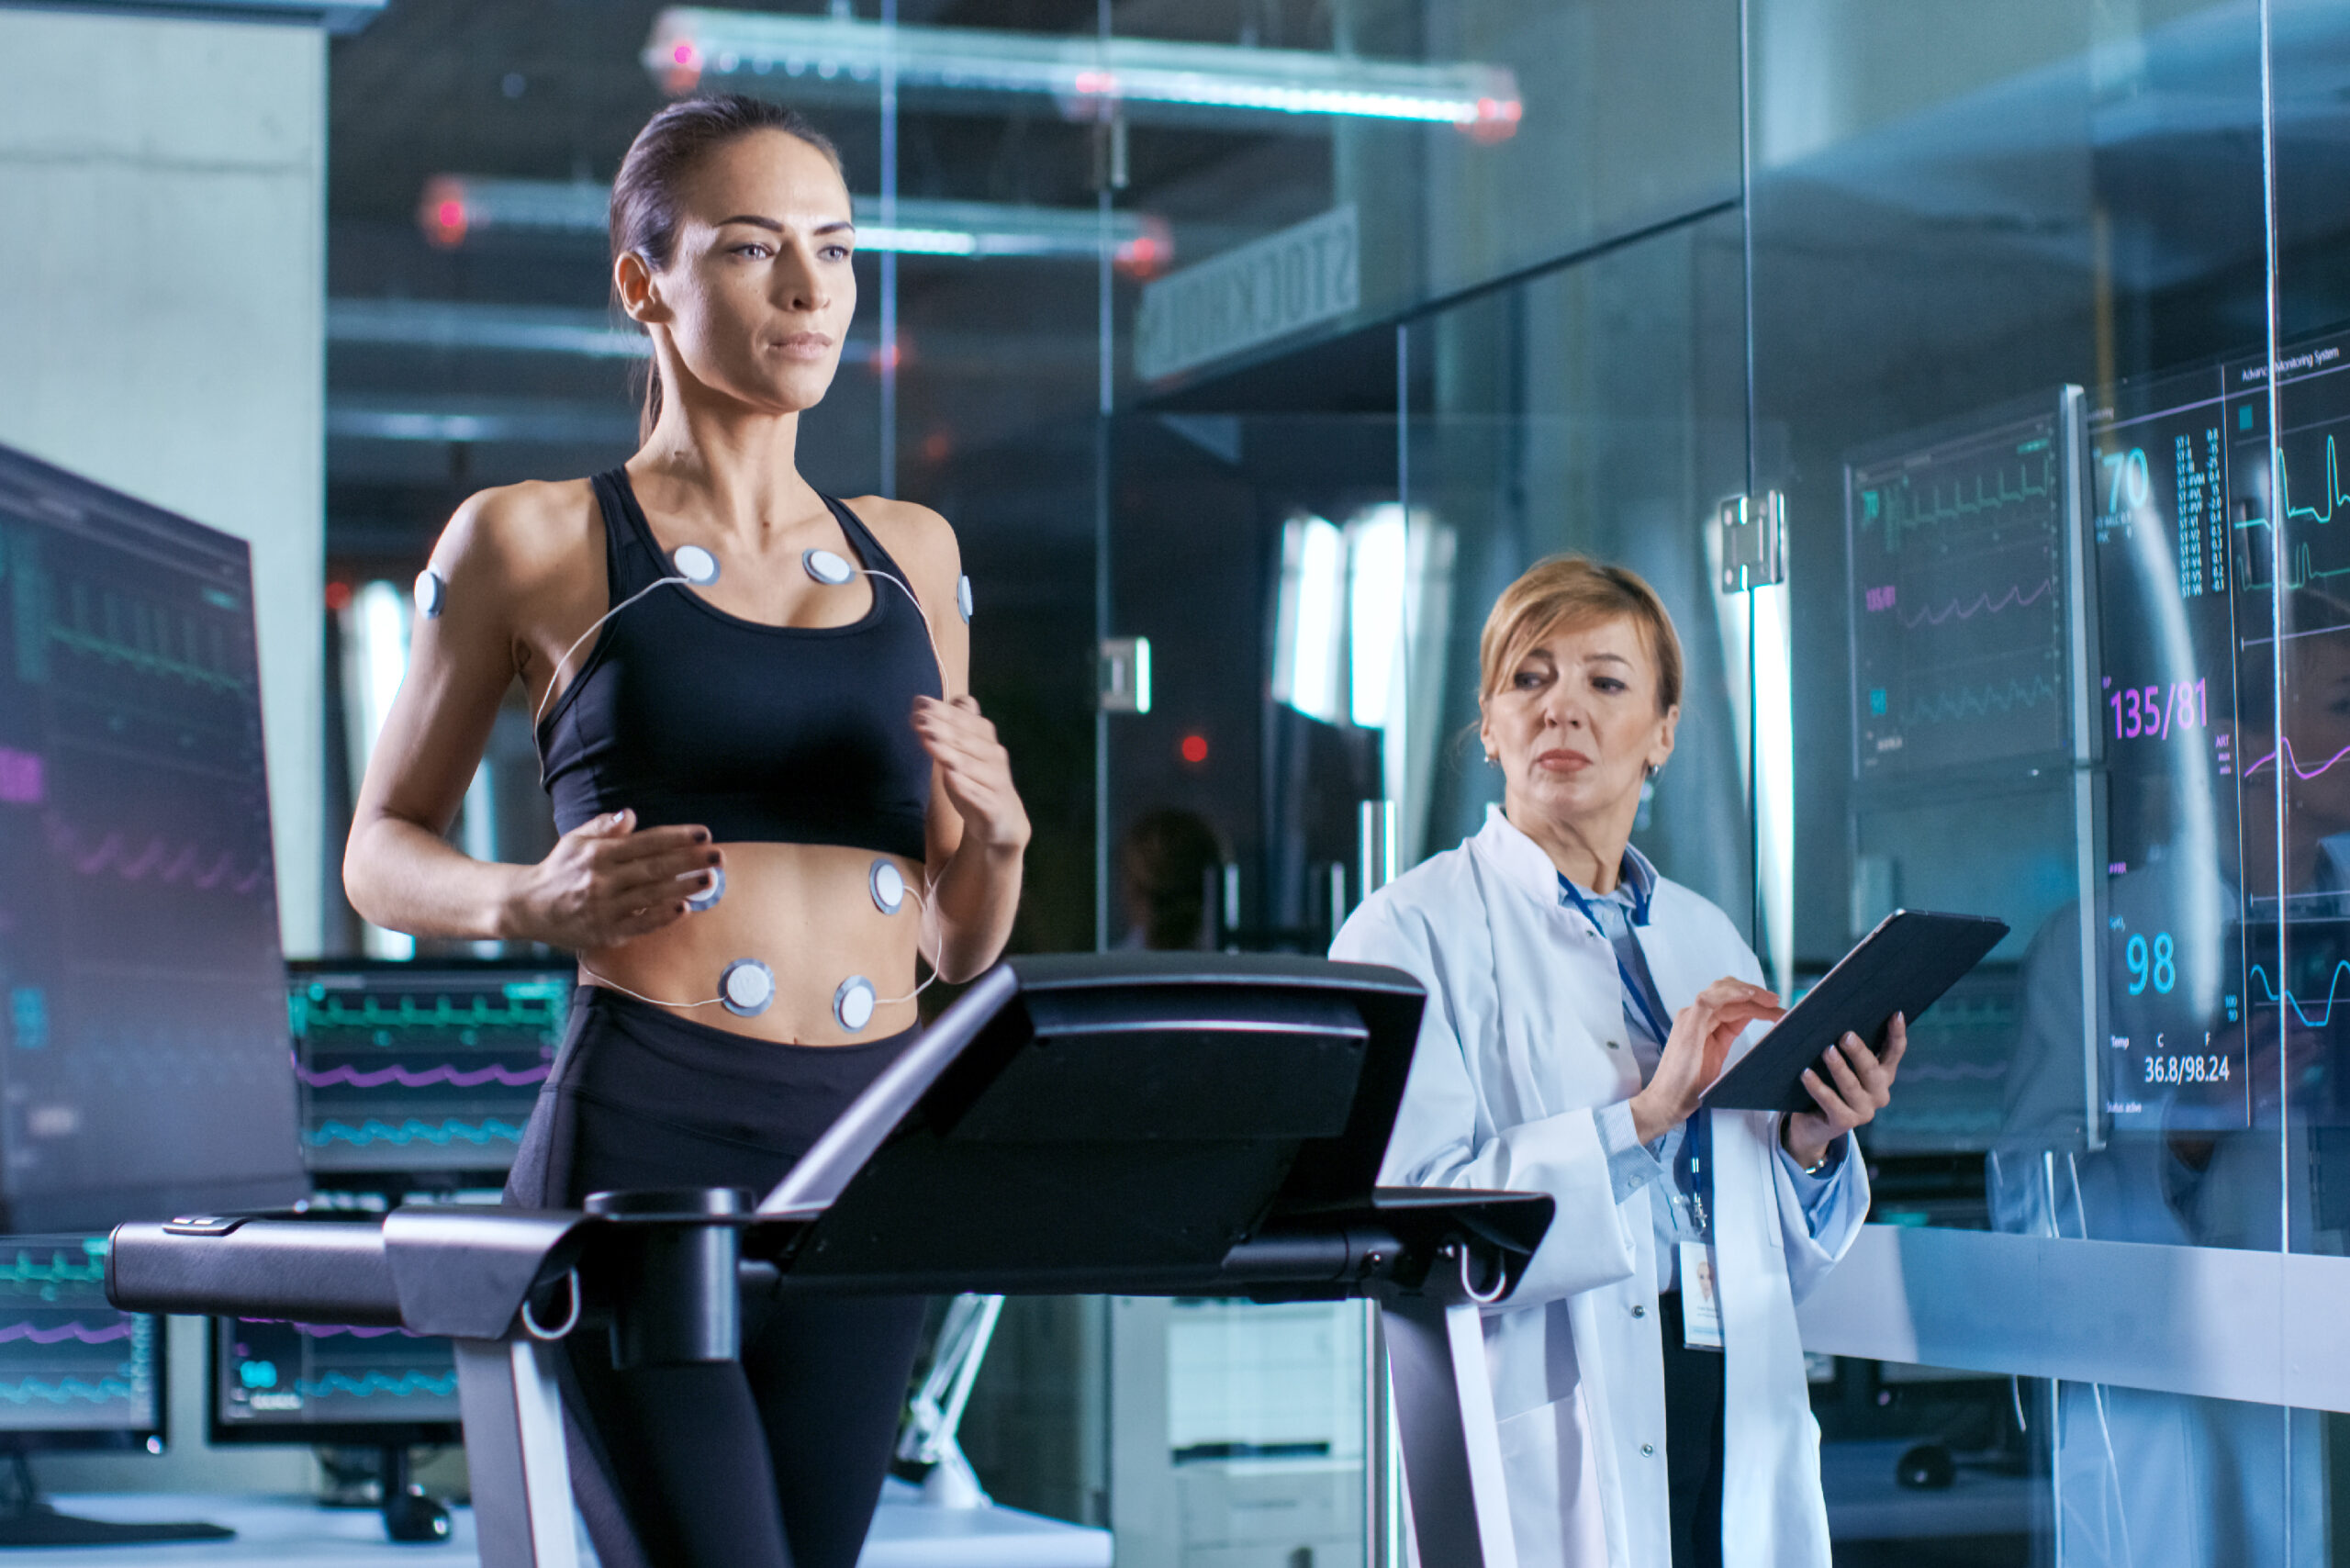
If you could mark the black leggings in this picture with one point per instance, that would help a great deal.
(775, 1462)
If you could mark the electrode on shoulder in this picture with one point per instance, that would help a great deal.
(889, 885)
(852, 1004)
(696, 565)
(962, 597)
(746, 988)
(431, 593)
(827, 568)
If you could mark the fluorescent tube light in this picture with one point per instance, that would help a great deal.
(1310, 618)
(830, 55)
(457, 208)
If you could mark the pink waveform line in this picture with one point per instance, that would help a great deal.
(2014, 598)
(2286, 746)
(408, 1078)
(63, 1331)
(155, 860)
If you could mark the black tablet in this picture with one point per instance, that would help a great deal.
(1904, 965)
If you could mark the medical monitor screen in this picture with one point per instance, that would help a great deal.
(2167, 938)
(409, 1068)
(73, 1372)
(1958, 556)
(142, 1039)
(310, 1383)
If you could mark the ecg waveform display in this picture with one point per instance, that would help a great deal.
(70, 1364)
(142, 1039)
(1959, 638)
(413, 1070)
(282, 1381)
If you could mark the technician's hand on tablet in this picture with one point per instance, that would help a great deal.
(1856, 1086)
(1702, 1034)
(974, 770)
(605, 883)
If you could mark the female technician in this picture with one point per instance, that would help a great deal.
(1578, 1006)
(748, 693)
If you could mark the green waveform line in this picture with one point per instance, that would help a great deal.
(25, 1271)
(1979, 701)
(1961, 506)
(2302, 575)
(332, 1011)
(141, 660)
(2332, 488)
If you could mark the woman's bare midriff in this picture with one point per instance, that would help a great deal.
(804, 910)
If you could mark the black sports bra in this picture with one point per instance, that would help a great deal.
(779, 734)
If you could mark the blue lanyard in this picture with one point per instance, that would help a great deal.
(1690, 1174)
(1634, 992)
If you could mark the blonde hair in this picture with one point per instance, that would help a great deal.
(1576, 592)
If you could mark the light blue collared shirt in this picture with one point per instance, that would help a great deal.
(1631, 1164)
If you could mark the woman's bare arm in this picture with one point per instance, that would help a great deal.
(979, 829)
(603, 882)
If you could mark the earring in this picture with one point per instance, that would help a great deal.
(1650, 769)
(1493, 758)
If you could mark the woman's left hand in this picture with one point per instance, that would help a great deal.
(1862, 1083)
(974, 770)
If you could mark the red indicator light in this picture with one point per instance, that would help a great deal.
(1195, 749)
(337, 596)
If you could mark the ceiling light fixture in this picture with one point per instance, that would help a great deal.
(832, 56)
(458, 208)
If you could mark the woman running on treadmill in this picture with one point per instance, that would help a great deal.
(776, 798)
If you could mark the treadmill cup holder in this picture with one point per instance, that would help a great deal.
(677, 1300)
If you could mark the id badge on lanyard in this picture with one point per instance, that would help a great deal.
(1701, 1303)
(1701, 1308)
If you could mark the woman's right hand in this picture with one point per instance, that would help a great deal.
(1702, 1033)
(604, 883)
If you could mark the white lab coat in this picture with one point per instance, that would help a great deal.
(1522, 1040)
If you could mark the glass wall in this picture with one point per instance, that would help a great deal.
(2029, 318)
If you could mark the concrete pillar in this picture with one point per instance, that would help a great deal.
(162, 258)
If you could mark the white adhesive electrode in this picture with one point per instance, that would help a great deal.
(696, 565)
(826, 567)
(708, 898)
(962, 597)
(889, 885)
(852, 1004)
(747, 987)
(432, 593)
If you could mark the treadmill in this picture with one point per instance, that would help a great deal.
(1116, 1123)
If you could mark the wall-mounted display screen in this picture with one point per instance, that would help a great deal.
(144, 1022)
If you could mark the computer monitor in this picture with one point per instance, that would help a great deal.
(412, 1069)
(309, 1382)
(142, 1021)
(75, 1372)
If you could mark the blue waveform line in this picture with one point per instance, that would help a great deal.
(442, 1134)
(2332, 988)
(1979, 701)
(408, 1386)
(65, 1391)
